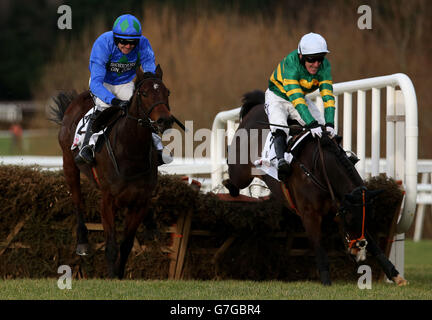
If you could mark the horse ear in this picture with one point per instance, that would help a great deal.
(159, 72)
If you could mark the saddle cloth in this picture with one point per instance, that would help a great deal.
(268, 161)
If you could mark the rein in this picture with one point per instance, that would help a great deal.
(325, 172)
(315, 180)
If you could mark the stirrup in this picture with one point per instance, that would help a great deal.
(85, 155)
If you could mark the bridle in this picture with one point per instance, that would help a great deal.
(146, 120)
(363, 204)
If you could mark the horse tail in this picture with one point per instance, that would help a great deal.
(250, 100)
(62, 100)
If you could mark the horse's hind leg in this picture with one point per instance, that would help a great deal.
(72, 177)
(133, 220)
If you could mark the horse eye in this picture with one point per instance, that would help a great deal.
(169, 92)
(143, 93)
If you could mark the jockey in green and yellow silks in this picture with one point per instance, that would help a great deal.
(302, 71)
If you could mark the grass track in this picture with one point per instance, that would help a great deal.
(418, 270)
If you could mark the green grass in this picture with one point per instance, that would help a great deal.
(418, 270)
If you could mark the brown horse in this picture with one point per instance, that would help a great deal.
(323, 182)
(125, 168)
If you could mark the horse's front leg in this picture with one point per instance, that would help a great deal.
(386, 265)
(312, 225)
(72, 178)
(134, 218)
(108, 222)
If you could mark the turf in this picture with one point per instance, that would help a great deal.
(418, 271)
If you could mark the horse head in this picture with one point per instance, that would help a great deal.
(151, 99)
(356, 211)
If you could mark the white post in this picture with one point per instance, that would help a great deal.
(390, 132)
(361, 132)
(336, 119)
(375, 136)
(397, 254)
(217, 150)
(420, 213)
(347, 121)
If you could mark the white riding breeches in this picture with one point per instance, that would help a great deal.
(278, 110)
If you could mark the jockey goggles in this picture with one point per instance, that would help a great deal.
(122, 41)
(314, 58)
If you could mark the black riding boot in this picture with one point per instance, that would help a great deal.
(284, 168)
(86, 154)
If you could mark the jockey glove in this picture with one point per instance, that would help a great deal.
(315, 129)
(119, 103)
(330, 129)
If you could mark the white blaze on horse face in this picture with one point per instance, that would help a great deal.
(155, 86)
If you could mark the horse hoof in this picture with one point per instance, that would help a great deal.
(82, 249)
(400, 281)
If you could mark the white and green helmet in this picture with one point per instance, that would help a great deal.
(311, 44)
(127, 27)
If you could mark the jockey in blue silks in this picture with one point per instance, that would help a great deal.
(113, 61)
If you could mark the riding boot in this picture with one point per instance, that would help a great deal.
(284, 167)
(86, 154)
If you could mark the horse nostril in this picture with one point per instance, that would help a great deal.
(362, 244)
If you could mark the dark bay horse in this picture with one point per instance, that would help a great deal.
(323, 181)
(125, 168)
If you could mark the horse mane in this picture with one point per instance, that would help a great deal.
(250, 100)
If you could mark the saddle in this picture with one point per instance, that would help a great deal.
(106, 118)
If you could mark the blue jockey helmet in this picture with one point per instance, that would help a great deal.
(127, 27)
